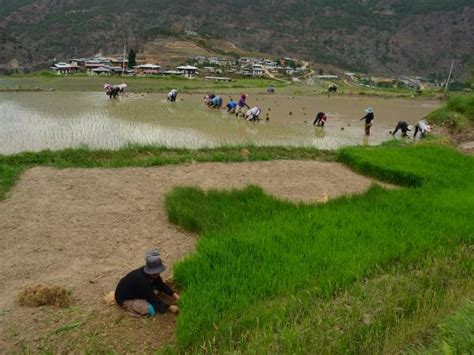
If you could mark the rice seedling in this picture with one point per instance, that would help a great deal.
(255, 249)
(44, 295)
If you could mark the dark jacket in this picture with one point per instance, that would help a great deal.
(403, 126)
(138, 285)
(368, 118)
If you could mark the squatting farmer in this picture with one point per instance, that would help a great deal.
(137, 293)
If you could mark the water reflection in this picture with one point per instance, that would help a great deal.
(35, 121)
(365, 141)
(319, 132)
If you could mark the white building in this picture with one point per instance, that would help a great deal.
(147, 69)
(214, 61)
(187, 70)
(65, 68)
(289, 70)
(257, 70)
(270, 65)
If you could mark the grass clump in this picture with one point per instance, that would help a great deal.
(44, 295)
(458, 113)
(454, 335)
(255, 250)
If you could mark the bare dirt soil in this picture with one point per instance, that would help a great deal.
(85, 228)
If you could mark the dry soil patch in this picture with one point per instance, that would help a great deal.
(86, 228)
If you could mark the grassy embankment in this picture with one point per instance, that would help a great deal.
(11, 166)
(48, 81)
(371, 273)
(457, 114)
(136, 84)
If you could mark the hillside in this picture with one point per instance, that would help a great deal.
(381, 36)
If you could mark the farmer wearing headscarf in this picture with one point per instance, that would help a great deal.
(253, 114)
(136, 292)
(368, 119)
(422, 126)
(172, 95)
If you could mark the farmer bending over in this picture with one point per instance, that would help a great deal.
(253, 114)
(241, 105)
(422, 126)
(402, 126)
(172, 95)
(231, 106)
(320, 119)
(216, 102)
(135, 293)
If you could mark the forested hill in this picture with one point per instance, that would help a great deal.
(381, 36)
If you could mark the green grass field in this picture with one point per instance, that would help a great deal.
(50, 81)
(135, 84)
(261, 262)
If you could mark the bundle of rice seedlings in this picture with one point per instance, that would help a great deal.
(109, 298)
(44, 295)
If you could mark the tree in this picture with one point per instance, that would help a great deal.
(132, 58)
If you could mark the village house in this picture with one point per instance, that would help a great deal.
(95, 63)
(214, 61)
(111, 70)
(244, 61)
(101, 71)
(187, 70)
(63, 68)
(213, 70)
(119, 62)
(270, 65)
(250, 61)
(257, 70)
(81, 62)
(146, 69)
(199, 59)
(289, 70)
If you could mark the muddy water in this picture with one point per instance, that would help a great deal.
(55, 120)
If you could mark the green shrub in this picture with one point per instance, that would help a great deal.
(458, 112)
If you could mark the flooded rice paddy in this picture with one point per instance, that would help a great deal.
(32, 121)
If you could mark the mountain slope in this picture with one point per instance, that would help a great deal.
(411, 36)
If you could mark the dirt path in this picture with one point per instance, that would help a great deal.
(86, 228)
